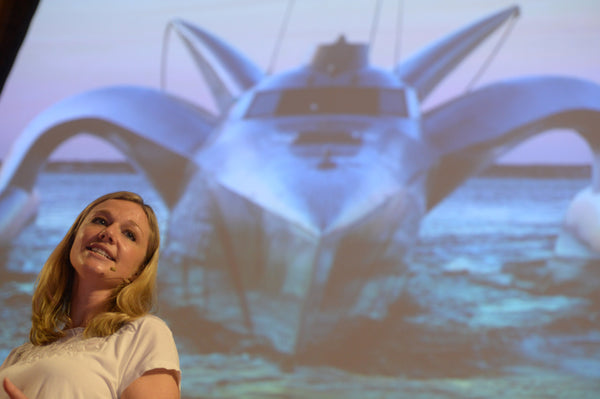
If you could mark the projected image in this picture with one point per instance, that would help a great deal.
(365, 205)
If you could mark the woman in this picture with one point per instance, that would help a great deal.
(91, 334)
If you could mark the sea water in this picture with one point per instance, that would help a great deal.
(483, 314)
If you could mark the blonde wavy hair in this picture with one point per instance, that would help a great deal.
(51, 302)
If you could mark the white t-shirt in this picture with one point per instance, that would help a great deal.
(97, 367)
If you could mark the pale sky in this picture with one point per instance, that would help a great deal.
(73, 46)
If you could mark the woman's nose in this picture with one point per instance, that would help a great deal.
(107, 234)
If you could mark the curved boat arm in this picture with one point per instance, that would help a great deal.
(471, 132)
(159, 134)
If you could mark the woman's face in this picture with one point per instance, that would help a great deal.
(110, 245)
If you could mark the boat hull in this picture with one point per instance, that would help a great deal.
(264, 275)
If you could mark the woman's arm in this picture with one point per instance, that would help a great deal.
(156, 384)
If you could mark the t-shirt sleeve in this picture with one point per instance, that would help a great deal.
(148, 347)
(11, 358)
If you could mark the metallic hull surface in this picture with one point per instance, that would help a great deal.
(288, 276)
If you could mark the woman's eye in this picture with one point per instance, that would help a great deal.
(99, 220)
(130, 235)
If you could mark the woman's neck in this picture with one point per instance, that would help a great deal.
(86, 303)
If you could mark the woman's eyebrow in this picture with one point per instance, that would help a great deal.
(100, 212)
(133, 223)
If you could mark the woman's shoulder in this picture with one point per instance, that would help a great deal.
(149, 321)
(15, 354)
(148, 325)
(147, 344)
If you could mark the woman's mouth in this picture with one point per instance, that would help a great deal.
(100, 251)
